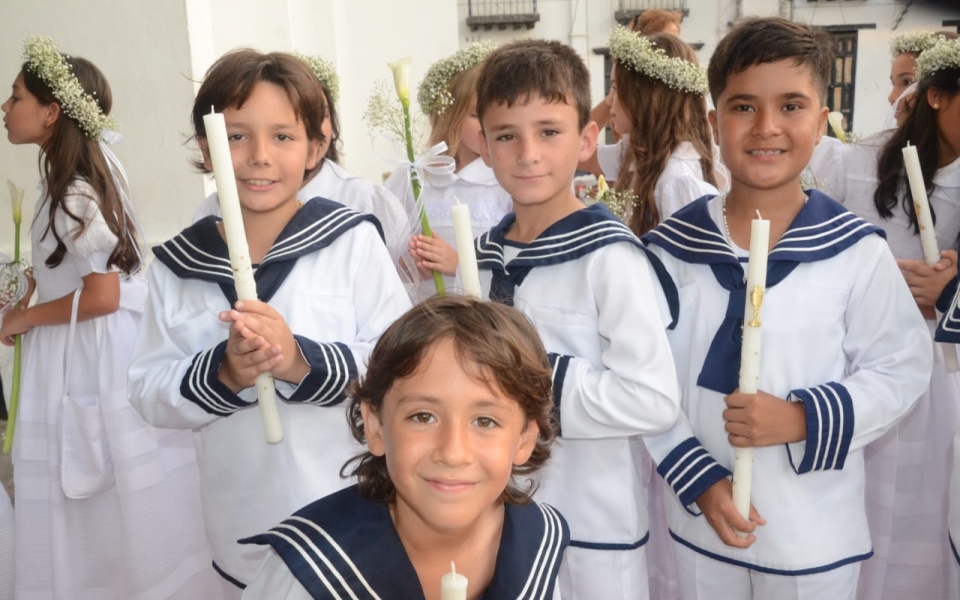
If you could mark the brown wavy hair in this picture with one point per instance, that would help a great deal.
(655, 20)
(230, 81)
(70, 154)
(495, 344)
(921, 130)
(445, 126)
(661, 118)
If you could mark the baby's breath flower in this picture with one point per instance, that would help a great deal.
(640, 55)
(434, 93)
(620, 202)
(324, 71)
(913, 41)
(945, 54)
(385, 114)
(13, 283)
(42, 59)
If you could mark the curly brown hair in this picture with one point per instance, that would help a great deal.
(495, 344)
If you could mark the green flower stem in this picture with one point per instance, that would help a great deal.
(415, 182)
(17, 351)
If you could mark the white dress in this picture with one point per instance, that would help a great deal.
(142, 537)
(6, 546)
(475, 185)
(908, 469)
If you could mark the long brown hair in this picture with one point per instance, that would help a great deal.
(661, 118)
(495, 344)
(445, 126)
(920, 129)
(70, 154)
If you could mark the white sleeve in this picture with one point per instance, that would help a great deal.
(159, 363)
(678, 192)
(90, 251)
(890, 358)
(274, 581)
(636, 391)
(393, 220)
(610, 157)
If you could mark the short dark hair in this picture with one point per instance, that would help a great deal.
(495, 344)
(766, 40)
(514, 73)
(230, 81)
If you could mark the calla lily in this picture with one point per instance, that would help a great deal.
(16, 201)
(602, 187)
(836, 123)
(401, 78)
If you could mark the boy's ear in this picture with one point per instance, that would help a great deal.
(588, 141)
(712, 118)
(824, 111)
(313, 154)
(205, 152)
(484, 150)
(528, 442)
(372, 429)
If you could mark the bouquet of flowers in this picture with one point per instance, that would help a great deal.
(620, 203)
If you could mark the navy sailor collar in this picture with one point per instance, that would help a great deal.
(345, 545)
(199, 252)
(822, 229)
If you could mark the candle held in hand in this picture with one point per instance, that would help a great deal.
(750, 352)
(463, 232)
(218, 147)
(453, 585)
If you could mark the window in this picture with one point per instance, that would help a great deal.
(843, 75)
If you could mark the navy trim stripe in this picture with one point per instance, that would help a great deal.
(739, 563)
(690, 470)
(227, 577)
(948, 329)
(599, 546)
(547, 561)
(830, 421)
(953, 547)
(332, 367)
(560, 364)
(201, 385)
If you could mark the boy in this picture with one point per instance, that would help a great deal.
(587, 284)
(456, 402)
(327, 290)
(845, 352)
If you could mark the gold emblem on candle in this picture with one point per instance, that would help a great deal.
(756, 300)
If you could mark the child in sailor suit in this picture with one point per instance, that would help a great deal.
(456, 400)
(948, 332)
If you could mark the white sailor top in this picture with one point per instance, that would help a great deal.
(345, 546)
(841, 334)
(591, 291)
(948, 331)
(330, 277)
(335, 183)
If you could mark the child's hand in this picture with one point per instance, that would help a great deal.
(245, 358)
(716, 504)
(755, 420)
(253, 319)
(14, 323)
(434, 254)
(927, 283)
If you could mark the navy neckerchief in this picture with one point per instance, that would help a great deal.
(572, 237)
(345, 545)
(199, 252)
(822, 229)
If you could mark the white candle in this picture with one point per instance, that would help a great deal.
(453, 585)
(219, 148)
(928, 235)
(463, 232)
(750, 352)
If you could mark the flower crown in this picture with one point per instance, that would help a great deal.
(913, 41)
(434, 93)
(42, 59)
(945, 54)
(641, 55)
(324, 71)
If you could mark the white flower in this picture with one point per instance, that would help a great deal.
(602, 187)
(434, 92)
(641, 55)
(913, 41)
(42, 59)
(324, 71)
(836, 123)
(385, 114)
(401, 78)
(945, 54)
(16, 202)
(13, 283)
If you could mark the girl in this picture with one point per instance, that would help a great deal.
(327, 290)
(122, 520)
(330, 180)
(456, 402)
(904, 50)
(657, 99)
(908, 468)
(447, 95)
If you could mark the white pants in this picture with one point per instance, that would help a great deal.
(613, 574)
(703, 578)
